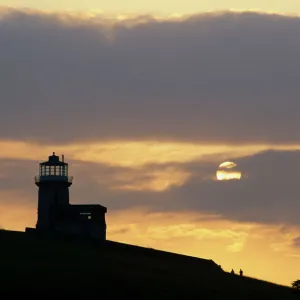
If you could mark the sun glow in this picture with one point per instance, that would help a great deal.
(226, 171)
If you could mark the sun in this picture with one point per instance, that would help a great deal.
(227, 171)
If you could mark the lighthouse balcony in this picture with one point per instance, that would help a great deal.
(44, 178)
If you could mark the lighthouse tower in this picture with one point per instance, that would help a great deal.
(53, 183)
(56, 214)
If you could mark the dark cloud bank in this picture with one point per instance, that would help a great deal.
(269, 193)
(231, 77)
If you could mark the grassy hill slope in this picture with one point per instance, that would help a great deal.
(32, 265)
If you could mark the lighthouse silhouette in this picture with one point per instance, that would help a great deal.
(55, 213)
(53, 182)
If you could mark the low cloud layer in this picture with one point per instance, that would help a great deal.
(268, 192)
(228, 77)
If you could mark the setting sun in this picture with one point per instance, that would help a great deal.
(227, 171)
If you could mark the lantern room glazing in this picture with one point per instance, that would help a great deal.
(53, 169)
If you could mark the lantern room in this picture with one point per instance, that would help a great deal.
(53, 169)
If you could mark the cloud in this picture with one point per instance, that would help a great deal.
(225, 78)
(267, 193)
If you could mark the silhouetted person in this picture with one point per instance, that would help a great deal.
(241, 272)
(232, 271)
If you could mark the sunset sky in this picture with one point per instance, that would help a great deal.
(146, 99)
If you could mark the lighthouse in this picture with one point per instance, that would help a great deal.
(55, 213)
(53, 183)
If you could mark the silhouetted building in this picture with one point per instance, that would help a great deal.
(55, 213)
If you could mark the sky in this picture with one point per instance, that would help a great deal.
(156, 6)
(145, 100)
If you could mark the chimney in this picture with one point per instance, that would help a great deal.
(63, 158)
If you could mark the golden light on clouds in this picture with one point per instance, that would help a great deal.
(135, 155)
(129, 154)
(227, 171)
(132, 153)
(157, 180)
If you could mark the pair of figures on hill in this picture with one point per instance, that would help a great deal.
(241, 272)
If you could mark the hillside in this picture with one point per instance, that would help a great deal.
(32, 265)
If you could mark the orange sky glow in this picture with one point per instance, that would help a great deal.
(256, 248)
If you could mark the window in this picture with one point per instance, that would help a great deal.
(47, 171)
(64, 171)
(85, 216)
(52, 170)
(42, 171)
(57, 171)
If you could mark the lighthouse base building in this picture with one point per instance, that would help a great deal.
(82, 220)
(56, 214)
